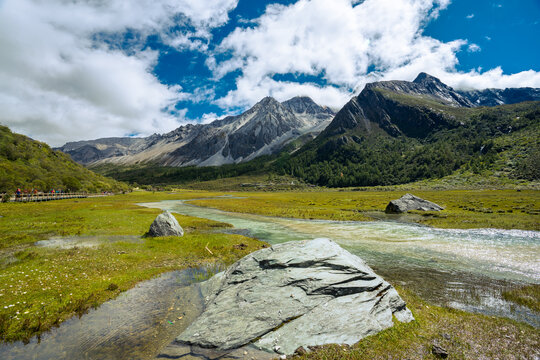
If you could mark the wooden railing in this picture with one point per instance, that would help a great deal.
(50, 196)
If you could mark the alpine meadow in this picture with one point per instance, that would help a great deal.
(269, 179)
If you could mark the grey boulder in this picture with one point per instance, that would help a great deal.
(300, 293)
(165, 224)
(410, 202)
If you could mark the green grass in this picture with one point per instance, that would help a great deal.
(528, 296)
(30, 164)
(41, 287)
(463, 335)
(504, 209)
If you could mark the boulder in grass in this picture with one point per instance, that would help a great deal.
(410, 202)
(295, 294)
(165, 224)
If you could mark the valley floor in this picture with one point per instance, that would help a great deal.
(464, 209)
(42, 286)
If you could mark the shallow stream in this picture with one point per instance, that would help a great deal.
(465, 269)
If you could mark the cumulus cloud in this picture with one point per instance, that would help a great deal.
(60, 81)
(474, 48)
(346, 44)
(79, 69)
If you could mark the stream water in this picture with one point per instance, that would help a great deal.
(465, 269)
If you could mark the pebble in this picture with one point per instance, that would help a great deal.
(439, 351)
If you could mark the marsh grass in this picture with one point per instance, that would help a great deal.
(463, 335)
(40, 287)
(528, 296)
(464, 209)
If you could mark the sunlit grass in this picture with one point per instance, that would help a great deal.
(528, 296)
(504, 209)
(41, 287)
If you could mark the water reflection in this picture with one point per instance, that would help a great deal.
(136, 325)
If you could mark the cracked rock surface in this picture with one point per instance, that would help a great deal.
(300, 293)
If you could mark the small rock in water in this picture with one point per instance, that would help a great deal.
(165, 224)
(439, 351)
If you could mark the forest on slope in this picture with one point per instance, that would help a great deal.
(30, 164)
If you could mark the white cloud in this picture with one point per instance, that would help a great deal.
(494, 78)
(474, 48)
(470, 16)
(57, 83)
(342, 41)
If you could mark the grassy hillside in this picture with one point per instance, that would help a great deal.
(167, 175)
(30, 164)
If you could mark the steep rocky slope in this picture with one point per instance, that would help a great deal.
(264, 129)
(398, 131)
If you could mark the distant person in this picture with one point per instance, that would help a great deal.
(18, 193)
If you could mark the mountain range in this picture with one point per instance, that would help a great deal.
(392, 132)
(264, 129)
(398, 132)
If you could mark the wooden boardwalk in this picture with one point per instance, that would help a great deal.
(49, 197)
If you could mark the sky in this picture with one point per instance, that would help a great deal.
(85, 69)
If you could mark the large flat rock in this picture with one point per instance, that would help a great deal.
(300, 293)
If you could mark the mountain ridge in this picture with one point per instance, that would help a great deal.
(263, 129)
(397, 132)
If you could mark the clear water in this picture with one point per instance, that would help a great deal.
(71, 242)
(136, 325)
(466, 269)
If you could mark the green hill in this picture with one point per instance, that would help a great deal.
(501, 141)
(30, 164)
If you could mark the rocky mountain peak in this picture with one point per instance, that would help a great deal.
(267, 101)
(424, 78)
(306, 105)
(425, 85)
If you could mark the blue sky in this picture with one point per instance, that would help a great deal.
(85, 69)
(507, 32)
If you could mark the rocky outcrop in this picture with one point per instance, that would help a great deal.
(165, 224)
(410, 202)
(494, 97)
(300, 293)
(413, 108)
